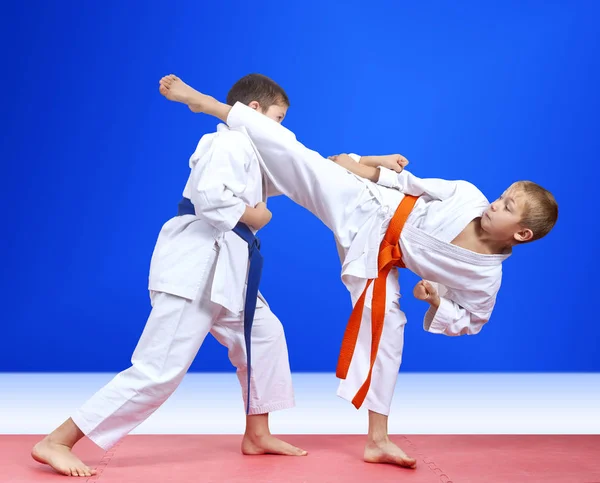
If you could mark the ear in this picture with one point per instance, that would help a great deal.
(254, 105)
(524, 235)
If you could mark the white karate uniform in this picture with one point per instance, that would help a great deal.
(358, 212)
(197, 285)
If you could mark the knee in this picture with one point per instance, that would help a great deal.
(270, 329)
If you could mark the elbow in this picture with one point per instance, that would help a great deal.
(221, 216)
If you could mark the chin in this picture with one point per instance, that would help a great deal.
(490, 229)
(485, 222)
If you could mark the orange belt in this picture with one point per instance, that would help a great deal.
(390, 256)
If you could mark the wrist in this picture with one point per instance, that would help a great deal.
(434, 301)
(250, 216)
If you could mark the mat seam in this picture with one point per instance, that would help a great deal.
(444, 478)
(103, 464)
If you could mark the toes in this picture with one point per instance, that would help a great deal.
(298, 451)
(290, 450)
(406, 462)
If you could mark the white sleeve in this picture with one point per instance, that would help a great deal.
(218, 179)
(391, 179)
(409, 184)
(451, 319)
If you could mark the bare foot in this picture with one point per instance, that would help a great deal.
(60, 457)
(174, 89)
(387, 452)
(269, 444)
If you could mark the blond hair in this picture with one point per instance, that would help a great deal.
(540, 211)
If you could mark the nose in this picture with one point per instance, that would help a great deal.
(494, 206)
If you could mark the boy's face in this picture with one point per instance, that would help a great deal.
(503, 218)
(276, 112)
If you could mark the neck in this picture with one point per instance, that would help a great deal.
(495, 246)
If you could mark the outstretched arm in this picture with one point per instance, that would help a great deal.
(359, 169)
(395, 162)
(369, 166)
(389, 171)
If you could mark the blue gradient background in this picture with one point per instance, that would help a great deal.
(94, 161)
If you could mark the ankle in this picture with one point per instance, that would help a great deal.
(257, 426)
(378, 428)
(205, 103)
(257, 436)
(55, 440)
(378, 438)
(68, 434)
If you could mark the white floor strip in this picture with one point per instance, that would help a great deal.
(423, 404)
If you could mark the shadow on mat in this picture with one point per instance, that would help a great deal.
(158, 456)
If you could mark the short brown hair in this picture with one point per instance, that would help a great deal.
(540, 210)
(259, 88)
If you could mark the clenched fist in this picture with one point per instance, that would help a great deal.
(264, 215)
(395, 162)
(426, 292)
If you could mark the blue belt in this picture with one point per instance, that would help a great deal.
(186, 207)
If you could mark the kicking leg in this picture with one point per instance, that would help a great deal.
(338, 198)
(271, 379)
